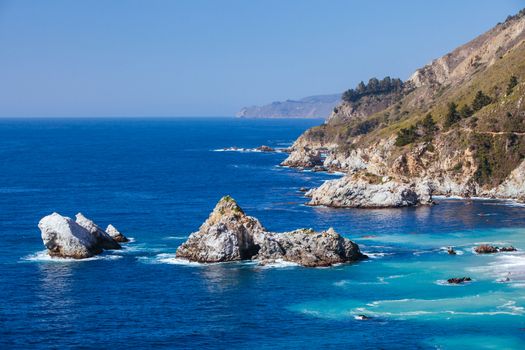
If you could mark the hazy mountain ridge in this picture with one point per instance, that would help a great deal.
(318, 106)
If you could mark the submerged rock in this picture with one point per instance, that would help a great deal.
(486, 249)
(227, 235)
(65, 238)
(458, 280)
(490, 249)
(116, 234)
(230, 235)
(265, 148)
(103, 239)
(369, 191)
(362, 317)
(451, 251)
(507, 249)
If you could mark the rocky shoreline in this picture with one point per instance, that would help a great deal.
(368, 182)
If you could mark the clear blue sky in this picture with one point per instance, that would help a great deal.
(208, 58)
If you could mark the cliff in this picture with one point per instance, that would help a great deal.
(457, 125)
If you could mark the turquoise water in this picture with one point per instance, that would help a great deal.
(158, 179)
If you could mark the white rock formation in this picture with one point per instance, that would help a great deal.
(116, 234)
(354, 191)
(307, 248)
(63, 237)
(227, 235)
(513, 186)
(103, 239)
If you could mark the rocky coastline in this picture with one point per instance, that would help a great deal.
(454, 128)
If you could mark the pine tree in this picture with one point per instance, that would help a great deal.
(480, 101)
(513, 81)
(452, 116)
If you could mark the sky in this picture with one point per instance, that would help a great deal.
(63, 58)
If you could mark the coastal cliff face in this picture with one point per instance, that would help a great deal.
(231, 235)
(457, 127)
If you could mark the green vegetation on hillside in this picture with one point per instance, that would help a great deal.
(374, 87)
(423, 130)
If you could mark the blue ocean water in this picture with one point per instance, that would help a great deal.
(157, 180)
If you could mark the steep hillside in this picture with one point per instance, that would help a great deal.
(457, 125)
(309, 107)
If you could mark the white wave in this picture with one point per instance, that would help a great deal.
(247, 150)
(176, 237)
(444, 250)
(376, 255)
(504, 267)
(43, 256)
(279, 263)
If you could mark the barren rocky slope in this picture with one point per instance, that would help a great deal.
(457, 127)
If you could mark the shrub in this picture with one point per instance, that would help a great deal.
(466, 111)
(481, 100)
(513, 81)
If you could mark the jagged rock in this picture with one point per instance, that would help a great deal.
(65, 238)
(230, 235)
(362, 317)
(490, 249)
(303, 158)
(458, 280)
(303, 189)
(356, 191)
(486, 249)
(507, 249)
(319, 168)
(116, 234)
(227, 235)
(103, 239)
(308, 248)
(265, 148)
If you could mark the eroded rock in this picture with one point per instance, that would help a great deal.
(231, 235)
(369, 191)
(116, 234)
(103, 239)
(65, 238)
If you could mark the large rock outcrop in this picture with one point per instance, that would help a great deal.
(307, 248)
(227, 235)
(66, 238)
(358, 191)
(230, 235)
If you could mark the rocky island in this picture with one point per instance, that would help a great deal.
(230, 235)
(455, 127)
(80, 239)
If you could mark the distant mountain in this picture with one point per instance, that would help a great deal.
(319, 106)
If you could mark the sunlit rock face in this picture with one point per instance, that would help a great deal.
(231, 235)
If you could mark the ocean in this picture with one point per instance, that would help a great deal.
(157, 180)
